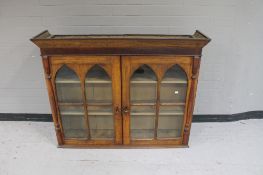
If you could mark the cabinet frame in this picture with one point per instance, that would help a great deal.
(120, 55)
(159, 64)
(81, 65)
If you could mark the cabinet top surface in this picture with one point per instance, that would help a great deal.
(126, 44)
(45, 35)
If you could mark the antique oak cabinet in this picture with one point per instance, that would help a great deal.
(121, 90)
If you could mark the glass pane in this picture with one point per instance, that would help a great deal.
(150, 110)
(172, 110)
(98, 86)
(69, 91)
(174, 86)
(101, 122)
(173, 94)
(143, 86)
(73, 121)
(98, 93)
(142, 122)
(170, 121)
(143, 92)
(68, 86)
(169, 126)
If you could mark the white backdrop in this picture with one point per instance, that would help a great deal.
(231, 70)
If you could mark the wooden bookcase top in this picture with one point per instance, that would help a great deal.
(126, 44)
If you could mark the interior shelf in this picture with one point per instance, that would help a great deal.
(88, 104)
(143, 113)
(89, 113)
(99, 104)
(143, 82)
(71, 113)
(98, 81)
(143, 102)
(172, 104)
(70, 104)
(171, 113)
(65, 81)
(153, 104)
(160, 114)
(174, 82)
(99, 113)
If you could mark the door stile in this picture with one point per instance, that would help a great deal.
(116, 96)
(126, 99)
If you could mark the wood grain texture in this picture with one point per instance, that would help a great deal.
(120, 44)
(120, 56)
(159, 64)
(52, 100)
(190, 109)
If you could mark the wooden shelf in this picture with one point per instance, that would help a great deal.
(143, 82)
(88, 104)
(170, 113)
(67, 81)
(98, 104)
(87, 81)
(89, 113)
(174, 82)
(72, 113)
(160, 114)
(172, 104)
(143, 104)
(99, 113)
(143, 113)
(98, 81)
(70, 104)
(132, 82)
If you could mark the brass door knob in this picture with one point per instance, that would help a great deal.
(125, 110)
(117, 110)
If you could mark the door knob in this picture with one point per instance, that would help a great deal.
(117, 110)
(125, 110)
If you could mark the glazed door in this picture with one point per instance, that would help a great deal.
(88, 98)
(154, 98)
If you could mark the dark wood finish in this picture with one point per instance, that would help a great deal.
(195, 72)
(119, 56)
(51, 95)
(159, 64)
(121, 44)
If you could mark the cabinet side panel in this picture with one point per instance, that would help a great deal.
(195, 71)
(51, 95)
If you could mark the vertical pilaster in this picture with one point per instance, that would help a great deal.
(191, 101)
(51, 95)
